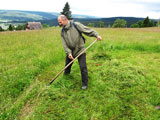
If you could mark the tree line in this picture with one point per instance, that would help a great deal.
(121, 23)
(11, 27)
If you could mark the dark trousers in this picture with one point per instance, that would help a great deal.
(83, 67)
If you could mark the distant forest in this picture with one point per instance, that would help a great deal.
(107, 21)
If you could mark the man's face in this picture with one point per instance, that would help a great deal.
(61, 22)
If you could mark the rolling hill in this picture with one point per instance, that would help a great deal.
(19, 17)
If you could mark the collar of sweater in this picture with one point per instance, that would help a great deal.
(68, 25)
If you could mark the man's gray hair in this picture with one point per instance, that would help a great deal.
(63, 17)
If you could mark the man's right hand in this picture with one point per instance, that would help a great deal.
(70, 56)
(99, 37)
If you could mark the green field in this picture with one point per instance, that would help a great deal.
(123, 68)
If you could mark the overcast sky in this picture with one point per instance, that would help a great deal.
(100, 8)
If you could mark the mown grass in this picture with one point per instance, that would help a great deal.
(124, 80)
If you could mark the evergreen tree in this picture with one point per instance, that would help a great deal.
(66, 11)
(146, 22)
(1, 29)
(11, 27)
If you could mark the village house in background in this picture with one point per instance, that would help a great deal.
(34, 26)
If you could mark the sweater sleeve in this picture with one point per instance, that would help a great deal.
(86, 30)
(67, 50)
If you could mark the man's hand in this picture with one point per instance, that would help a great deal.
(99, 37)
(70, 56)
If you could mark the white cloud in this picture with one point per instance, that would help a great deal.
(101, 8)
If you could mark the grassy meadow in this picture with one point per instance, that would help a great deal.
(123, 68)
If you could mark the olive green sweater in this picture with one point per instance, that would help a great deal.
(72, 40)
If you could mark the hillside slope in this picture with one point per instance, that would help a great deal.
(124, 80)
(21, 15)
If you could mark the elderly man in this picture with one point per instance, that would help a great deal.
(73, 43)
